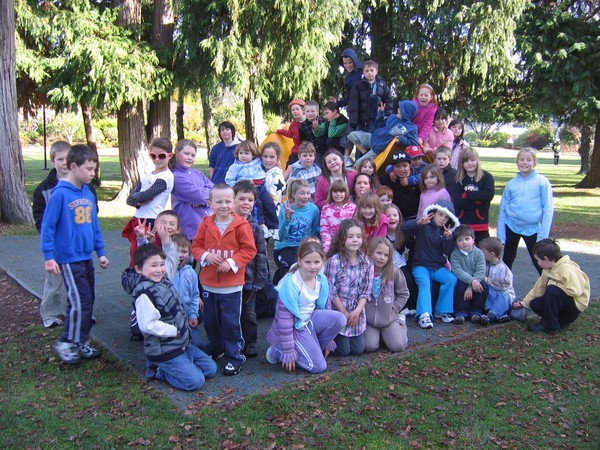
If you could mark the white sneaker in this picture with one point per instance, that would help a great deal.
(266, 232)
(53, 322)
(270, 357)
(444, 317)
(425, 321)
(274, 233)
(87, 351)
(67, 352)
(348, 162)
(402, 318)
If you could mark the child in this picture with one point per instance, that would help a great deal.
(274, 181)
(189, 197)
(468, 264)
(389, 294)
(368, 166)
(333, 169)
(433, 244)
(151, 194)
(257, 270)
(296, 107)
(386, 195)
(368, 212)
(473, 193)
(221, 155)
(305, 168)
(304, 328)
(338, 208)
(432, 187)
(333, 128)
(298, 218)
(224, 245)
(350, 274)
(458, 144)
(398, 126)
(406, 196)
(164, 323)
(366, 99)
(416, 164)
(560, 294)
(427, 105)
(185, 282)
(71, 215)
(248, 166)
(349, 61)
(307, 128)
(526, 209)
(439, 135)
(442, 162)
(499, 279)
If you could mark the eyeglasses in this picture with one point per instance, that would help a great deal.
(159, 156)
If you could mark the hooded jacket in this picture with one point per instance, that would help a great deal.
(364, 101)
(351, 78)
(392, 127)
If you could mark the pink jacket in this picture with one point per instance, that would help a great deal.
(424, 118)
(437, 139)
(323, 187)
(331, 217)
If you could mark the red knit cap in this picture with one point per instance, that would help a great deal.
(296, 101)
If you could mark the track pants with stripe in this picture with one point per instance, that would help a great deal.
(79, 282)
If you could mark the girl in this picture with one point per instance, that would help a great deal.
(368, 166)
(274, 181)
(304, 328)
(151, 194)
(368, 211)
(458, 144)
(362, 185)
(333, 169)
(399, 242)
(473, 193)
(338, 208)
(432, 187)
(426, 107)
(298, 218)
(350, 274)
(189, 198)
(389, 294)
(439, 135)
(297, 109)
(433, 244)
(526, 209)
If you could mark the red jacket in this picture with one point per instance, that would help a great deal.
(237, 243)
(292, 132)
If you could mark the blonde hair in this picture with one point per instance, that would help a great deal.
(369, 199)
(308, 245)
(465, 155)
(248, 146)
(293, 187)
(307, 147)
(529, 150)
(387, 273)
(432, 168)
(59, 146)
(338, 186)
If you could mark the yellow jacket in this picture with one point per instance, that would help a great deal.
(567, 275)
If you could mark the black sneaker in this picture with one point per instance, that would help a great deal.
(504, 318)
(87, 351)
(217, 356)
(484, 320)
(539, 328)
(475, 318)
(250, 351)
(459, 320)
(231, 370)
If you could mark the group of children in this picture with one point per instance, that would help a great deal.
(345, 281)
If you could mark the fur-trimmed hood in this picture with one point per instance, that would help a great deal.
(447, 208)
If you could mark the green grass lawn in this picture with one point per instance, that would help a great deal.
(503, 387)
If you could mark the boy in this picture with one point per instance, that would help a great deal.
(398, 126)
(406, 197)
(70, 233)
(221, 155)
(386, 195)
(353, 68)
(499, 279)
(442, 162)
(185, 282)
(305, 168)
(366, 99)
(257, 270)
(311, 112)
(560, 294)
(468, 264)
(163, 320)
(334, 128)
(416, 163)
(224, 245)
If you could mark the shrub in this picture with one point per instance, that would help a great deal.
(484, 143)
(111, 136)
(500, 139)
(29, 137)
(471, 137)
(569, 136)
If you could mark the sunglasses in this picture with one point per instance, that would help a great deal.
(159, 156)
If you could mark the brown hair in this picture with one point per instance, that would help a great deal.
(385, 190)
(338, 186)
(163, 143)
(432, 168)
(493, 245)
(339, 239)
(307, 147)
(308, 245)
(387, 274)
(375, 184)
(181, 240)
(369, 199)
(400, 240)
(248, 146)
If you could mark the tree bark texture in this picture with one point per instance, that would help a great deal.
(584, 148)
(207, 117)
(179, 114)
(592, 179)
(253, 115)
(86, 112)
(15, 207)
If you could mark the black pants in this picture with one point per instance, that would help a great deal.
(512, 244)
(284, 258)
(467, 308)
(248, 316)
(555, 307)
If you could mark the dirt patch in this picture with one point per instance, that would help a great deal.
(21, 308)
(574, 231)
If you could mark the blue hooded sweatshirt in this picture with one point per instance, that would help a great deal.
(392, 127)
(351, 78)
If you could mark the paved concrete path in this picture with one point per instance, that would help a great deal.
(21, 258)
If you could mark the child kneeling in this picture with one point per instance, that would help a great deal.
(304, 327)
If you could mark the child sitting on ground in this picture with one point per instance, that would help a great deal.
(499, 279)
(305, 168)
(468, 264)
(560, 294)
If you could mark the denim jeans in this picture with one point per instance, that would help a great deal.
(187, 371)
(354, 345)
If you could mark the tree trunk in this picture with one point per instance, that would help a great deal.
(584, 148)
(159, 109)
(253, 116)
(133, 146)
(592, 179)
(86, 112)
(179, 114)
(207, 117)
(15, 207)
(381, 39)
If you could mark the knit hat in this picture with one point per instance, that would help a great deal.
(413, 151)
(296, 101)
(447, 208)
(399, 157)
